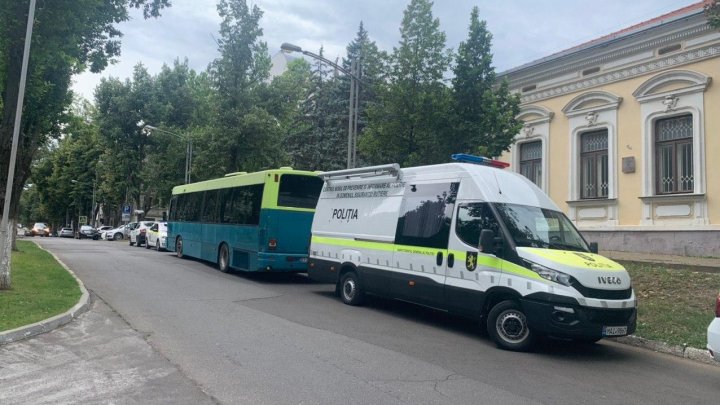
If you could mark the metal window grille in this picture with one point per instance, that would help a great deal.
(674, 155)
(594, 164)
(531, 161)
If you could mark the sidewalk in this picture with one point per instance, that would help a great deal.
(708, 264)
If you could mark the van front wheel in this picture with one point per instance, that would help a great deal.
(351, 292)
(508, 327)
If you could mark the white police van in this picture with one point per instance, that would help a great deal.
(472, 239)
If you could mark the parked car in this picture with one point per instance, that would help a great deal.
(137, 235)
(66, 233)
(157, 236)
(114, 233)
(22, 231)
(40, 229)
(102, 229)
(713, 332)
(87, 232)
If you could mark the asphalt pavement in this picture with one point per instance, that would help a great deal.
(281, 339)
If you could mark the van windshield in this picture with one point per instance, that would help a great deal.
(542, 228)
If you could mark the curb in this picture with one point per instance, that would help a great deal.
(54, 322)
(690, 353)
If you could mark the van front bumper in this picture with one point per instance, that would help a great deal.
(563, 317)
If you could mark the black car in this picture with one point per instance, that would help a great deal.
(88, 232)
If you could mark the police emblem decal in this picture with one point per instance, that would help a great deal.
(471, 261)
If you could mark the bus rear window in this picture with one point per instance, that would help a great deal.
(299, 191)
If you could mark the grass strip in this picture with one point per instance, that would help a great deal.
(41, 288)
(674, 305)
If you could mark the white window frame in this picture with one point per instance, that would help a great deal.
(537, 128)
(587, 112)
(685, 97)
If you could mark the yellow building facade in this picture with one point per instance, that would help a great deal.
(623, 133)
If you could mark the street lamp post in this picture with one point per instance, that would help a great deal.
(188, 147)
(355, 82)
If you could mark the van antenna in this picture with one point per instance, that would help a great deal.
(497, 182)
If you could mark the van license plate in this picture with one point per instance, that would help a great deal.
(614, 330)
(303, 260)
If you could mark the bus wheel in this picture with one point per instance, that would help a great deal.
(224, 258)
(508, 326)
(351, 292)
(179, 247)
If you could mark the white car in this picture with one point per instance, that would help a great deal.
(713, 332)
(137, 235)
(156, 236)
(114, 233)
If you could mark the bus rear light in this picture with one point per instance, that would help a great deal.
(272, 244)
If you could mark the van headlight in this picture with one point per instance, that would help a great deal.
(550, 274)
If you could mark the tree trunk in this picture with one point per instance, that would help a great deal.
(5, 258)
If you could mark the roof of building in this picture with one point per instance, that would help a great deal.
(693, 9)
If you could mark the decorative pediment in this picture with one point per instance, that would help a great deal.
(673, 81)
(592, 102)
(533, 114)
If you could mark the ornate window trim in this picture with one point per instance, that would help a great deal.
(534, 129)
(592, 111)
(656, 104)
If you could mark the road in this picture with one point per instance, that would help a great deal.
(281, 339)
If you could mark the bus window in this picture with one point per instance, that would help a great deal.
(210, 207)
(299, 191)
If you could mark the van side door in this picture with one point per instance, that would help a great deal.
(420, 257)
(474, 272)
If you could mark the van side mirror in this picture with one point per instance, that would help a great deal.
(594, 247)
(488, 242)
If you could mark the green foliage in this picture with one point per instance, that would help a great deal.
(408, 123)
(236, 119)
(712, 12)
(484, 114)
(69, 37)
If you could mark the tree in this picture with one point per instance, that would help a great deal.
(245, 136)
(712, 12)
(484, 113)
(373, 71)
(406, 124)
(69, 36)
(317, 138)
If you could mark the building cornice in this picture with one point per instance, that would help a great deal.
(629, 72)
(600, 54)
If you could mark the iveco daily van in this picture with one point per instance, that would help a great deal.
(469, 238)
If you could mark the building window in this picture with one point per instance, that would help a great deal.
(674, 155)
(594, 164)
(531, 161)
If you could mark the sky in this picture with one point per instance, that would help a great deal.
(523, 30)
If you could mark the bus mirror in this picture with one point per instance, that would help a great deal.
(487, 241)
(594, 247)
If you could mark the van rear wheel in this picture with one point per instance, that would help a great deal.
(351, 291)
(508, 327)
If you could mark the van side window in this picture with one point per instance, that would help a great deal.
(473, 218)
(426, 215)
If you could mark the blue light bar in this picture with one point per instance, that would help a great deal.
(478, 160)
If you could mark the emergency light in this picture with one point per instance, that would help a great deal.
(478, 160)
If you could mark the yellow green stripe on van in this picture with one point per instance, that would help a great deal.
(460, 256)
(582, 260)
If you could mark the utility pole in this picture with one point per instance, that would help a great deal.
(5, 233)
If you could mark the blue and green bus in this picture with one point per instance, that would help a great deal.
(246, 221)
